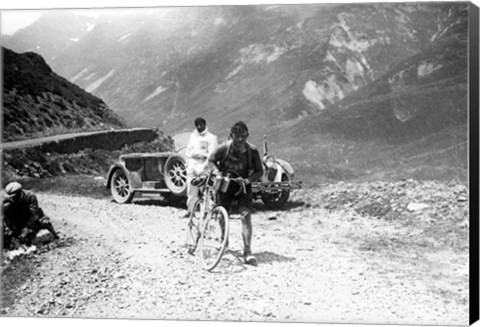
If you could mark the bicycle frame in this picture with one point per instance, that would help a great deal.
(208, 194)
(207, 197)
(212, 219)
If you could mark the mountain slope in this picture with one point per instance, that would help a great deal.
(51, 34)
(37, 102)
(411, 121)
(341, 90)
(162, 66)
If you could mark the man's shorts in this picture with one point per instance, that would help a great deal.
(244, 200)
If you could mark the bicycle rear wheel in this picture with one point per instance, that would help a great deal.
(193, 229)
(214, 237)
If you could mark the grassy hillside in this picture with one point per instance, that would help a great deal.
(37, 102)
(411, 122)
(341, 91)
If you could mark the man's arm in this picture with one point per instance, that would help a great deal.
(34, 209)
(213, 144)
(7, 223)
(188, 153)
(6, 230)
(257, 166)
(194, 150)
(216, 156)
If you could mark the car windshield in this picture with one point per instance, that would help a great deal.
(180, 140)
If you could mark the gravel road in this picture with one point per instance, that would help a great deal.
(331, 256)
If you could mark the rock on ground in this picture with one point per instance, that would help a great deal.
(346, 253)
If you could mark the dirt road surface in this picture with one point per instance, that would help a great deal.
(332, 256)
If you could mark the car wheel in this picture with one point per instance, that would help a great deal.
(120, 187)
(279, 199)
(175, 174)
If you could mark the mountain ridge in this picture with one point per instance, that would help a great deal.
(374, 76)
(37, 101)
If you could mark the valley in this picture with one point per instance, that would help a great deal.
(368, 87)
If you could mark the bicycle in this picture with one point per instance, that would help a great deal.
(209, 223)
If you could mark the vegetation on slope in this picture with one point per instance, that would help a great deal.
(37, 102)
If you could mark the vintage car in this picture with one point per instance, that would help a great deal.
(165, 173)
(138, 173)
(277, 181)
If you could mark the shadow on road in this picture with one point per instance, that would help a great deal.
(259, 206)
(21, 269)
(263, 257)
(269, 257)
(181, 204)
(161, 203)
(13, 276)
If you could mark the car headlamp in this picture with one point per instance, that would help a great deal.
(270, 162)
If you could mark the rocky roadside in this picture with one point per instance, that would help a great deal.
(346, 253)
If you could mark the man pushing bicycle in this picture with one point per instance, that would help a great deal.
(241, 160)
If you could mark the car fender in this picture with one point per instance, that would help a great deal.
(285, 166)
(279, 171)
(115, 166)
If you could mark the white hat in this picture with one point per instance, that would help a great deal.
(12, 188)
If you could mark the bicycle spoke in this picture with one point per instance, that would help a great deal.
(214, 238)
(193, 227)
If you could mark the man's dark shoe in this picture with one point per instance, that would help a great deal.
(191, 249)
(251, 260)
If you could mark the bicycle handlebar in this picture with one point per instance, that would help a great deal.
(241, 182)
(198, 181)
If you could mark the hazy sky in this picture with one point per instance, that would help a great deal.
(13, 20)
(20, 13)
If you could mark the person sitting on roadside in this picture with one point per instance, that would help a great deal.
(200, 145)
(242, 160)
(23, 218)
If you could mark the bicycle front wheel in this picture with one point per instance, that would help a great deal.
(214, 237)
(194, 227)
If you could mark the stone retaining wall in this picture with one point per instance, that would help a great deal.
(108, 140)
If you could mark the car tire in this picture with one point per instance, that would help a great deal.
(277, 200)
(175, 174)
(120, 187)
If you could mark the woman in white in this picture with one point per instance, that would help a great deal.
(200, 145)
